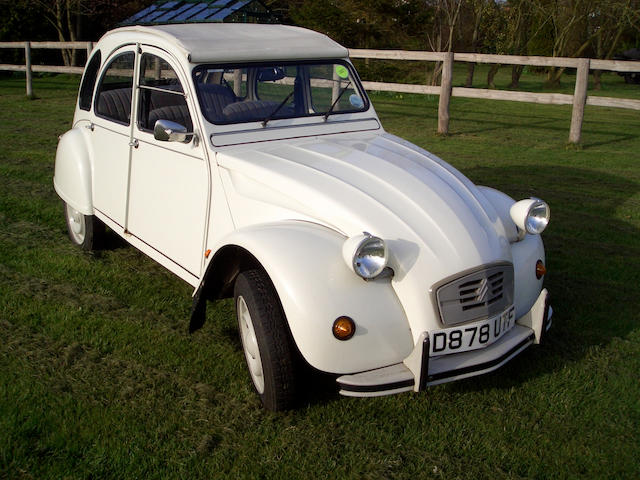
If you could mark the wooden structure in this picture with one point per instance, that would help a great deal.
(579, 99)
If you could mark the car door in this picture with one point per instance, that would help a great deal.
(168, 190)
(111, 132)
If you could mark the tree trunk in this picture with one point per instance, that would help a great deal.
(553, 76)
(491, 75)
(471, 67)
(516, 72)
(597, 82)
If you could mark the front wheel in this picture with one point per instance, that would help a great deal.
(86, 231)
(269, 349)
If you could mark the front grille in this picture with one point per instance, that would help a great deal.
(477, 295)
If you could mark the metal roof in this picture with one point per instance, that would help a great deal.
(202, 11)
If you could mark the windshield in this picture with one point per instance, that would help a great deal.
(266, 92)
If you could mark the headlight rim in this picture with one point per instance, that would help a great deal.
(521, 214)
(352, 250)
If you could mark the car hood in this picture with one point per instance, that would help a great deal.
(436, 222)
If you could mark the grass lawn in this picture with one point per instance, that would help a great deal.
(100, 379)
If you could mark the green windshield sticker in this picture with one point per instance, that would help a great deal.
(342, 71)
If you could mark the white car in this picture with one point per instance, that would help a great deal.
(249, 161)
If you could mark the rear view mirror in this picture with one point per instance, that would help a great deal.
(271, 74)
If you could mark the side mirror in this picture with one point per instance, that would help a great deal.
(168, 131)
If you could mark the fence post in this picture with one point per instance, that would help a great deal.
(445, 94)
(27, 63)
(89, 49)
(579, 100)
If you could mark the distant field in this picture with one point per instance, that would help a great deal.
(100, 379)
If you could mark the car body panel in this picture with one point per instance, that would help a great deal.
(290, 192)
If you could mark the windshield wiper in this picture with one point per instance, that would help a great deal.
(326, 115)
(273, 114)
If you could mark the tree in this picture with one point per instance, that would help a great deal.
(445, 18)
(478, 11)
(67, 19)
(608, 22)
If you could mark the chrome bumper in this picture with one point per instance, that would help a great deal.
(418, 370)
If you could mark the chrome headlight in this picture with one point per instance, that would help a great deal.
(366, 255)
(531, 215)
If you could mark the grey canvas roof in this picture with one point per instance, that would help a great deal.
(227, 42)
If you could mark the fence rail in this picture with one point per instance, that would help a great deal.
(28, 68)
(579, 99)
(445, 90)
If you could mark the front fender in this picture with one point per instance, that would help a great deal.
(315, 286)
(72, 175)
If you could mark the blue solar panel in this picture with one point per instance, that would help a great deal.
(173, 13)
(224, 13)
(203, 14)
(187, 14)
(181, 11)
(169, 5)
(142, 13)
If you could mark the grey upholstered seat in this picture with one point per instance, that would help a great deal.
(175, 113)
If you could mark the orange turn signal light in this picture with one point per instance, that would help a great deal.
(207, 253)
(541, 270)
(343, 328)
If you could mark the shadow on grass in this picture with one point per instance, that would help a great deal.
(593, 257)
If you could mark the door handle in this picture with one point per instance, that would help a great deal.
(134, 143)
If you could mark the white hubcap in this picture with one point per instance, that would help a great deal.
(250, 345)
(76, 224)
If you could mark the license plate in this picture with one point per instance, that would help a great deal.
(471, 336)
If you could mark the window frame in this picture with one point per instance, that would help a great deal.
(98, 89)
(89, 81)
(139, 84)
(252, 89)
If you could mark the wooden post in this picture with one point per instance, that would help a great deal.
(445, 94)
(237, 82)
(27, 62)
(157, 69)
(335, 89)
(89, 49)
(579, 100)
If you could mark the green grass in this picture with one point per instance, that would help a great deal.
(100, 379)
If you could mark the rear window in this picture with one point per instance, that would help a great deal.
(89, 81)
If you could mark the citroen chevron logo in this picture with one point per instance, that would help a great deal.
(481, 292)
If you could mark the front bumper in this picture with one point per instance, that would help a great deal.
(418, 370)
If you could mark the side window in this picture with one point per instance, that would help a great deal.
(113, 100)
(161, 95)
(89, 81)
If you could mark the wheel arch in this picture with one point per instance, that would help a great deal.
(315, 286)
(72, 177)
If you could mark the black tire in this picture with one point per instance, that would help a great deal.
(277, 360)
(86, 231)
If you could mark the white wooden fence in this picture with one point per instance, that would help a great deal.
(445, 90)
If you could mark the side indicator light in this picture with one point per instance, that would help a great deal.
(343, 328)
(207, 253)
(541, 270)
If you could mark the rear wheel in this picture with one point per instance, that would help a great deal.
(269, 349)
(86, 231)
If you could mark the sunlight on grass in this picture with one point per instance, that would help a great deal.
(99, 377)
